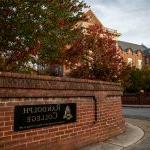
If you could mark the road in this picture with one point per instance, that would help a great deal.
(137, 113)
(139, 117)
(144, 143)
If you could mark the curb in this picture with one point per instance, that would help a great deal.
(131, 136)
(137, 106)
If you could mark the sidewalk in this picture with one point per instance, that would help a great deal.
(137, 106)
(132, 135)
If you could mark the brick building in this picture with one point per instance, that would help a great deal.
(147, 57)
(134, 54)
(91, 19)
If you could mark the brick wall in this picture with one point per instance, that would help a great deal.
(99, 113)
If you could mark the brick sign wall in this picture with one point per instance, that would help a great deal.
(97, 112)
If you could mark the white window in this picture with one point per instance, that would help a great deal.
(139, 64)
(129, 61)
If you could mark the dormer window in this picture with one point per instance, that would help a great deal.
(139, 64)
(138, 52)
(130, 61)
(129, 51)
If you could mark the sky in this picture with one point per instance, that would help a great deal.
(130, 17)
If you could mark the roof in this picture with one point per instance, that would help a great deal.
(134, 47)
(147, 52)
(94, 20)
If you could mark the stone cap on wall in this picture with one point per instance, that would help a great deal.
(14, 81)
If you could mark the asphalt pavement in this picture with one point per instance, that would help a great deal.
(131, 135)
(137, 112)
(136, 136)
(139, 116)
(144, 143)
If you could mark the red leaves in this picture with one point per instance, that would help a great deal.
(7, 11)
(34, 50)
(21, 56)
(79, 45)
(76, 48)
(61, 23)
(101, 58)
(51, 22)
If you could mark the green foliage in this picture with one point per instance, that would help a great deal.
(146, 79)
(137, 80)
(37, 29)
(134, 81)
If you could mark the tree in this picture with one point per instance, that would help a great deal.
(146, 78)
(100, 58)
(133, 82)
(137, 80)
(37, 31)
